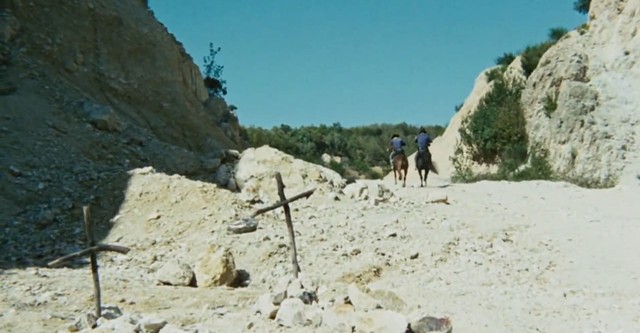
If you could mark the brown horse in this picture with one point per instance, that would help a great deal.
(424, 164)
(400, 167)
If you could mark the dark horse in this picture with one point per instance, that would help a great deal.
(400, 167)
(424, 163)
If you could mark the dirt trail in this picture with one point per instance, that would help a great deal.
(525, 257)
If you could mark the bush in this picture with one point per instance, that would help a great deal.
(582, 6)
(461, 166)
(555, 34)
(531, 56)
(338, 167)
(496, 134)
(495, 73)
(497, 127)
(550, 104)
(506, 59)
(583, 29)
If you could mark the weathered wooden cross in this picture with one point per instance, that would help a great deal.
(284, 202)
(91, 250)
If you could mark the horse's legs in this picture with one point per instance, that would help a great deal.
(395, 177)
(426, 174)
(404, 178)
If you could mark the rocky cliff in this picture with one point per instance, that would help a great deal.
(593, 74)
(90, 90)
(581, 102)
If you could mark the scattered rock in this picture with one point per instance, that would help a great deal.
(216, 267)
(266, 307)
(120, 324)
(84, 321)
(175, 273)
(430, 324)
(362, 301)
(243, 226)
(339, 318)
(292, 313)
(357, 190)
(110, 312)
(170, 328)
(102, 117)
(150, 325)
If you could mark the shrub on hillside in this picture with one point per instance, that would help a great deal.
(582, 6)
(506, 59)
(531, 56)
(496, 130)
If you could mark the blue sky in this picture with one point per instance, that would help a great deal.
(356, 62)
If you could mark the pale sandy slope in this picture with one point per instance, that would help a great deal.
(502, 257)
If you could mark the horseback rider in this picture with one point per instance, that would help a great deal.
(424, 141)
(396, 146)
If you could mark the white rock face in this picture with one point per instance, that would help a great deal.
(593, 74)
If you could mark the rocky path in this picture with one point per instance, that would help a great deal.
(523, 257)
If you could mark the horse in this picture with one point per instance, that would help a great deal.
(400, 167)
(424, 163)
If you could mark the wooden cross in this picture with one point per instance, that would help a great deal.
(91, 250)
(284, 202)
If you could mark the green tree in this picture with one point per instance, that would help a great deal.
(505, 59)
(532, 54)
(212, 72)
(555, 34)
(496, 131)
(582, 6)
(362, 147)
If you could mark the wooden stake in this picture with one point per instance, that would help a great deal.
(92, 250)
(88, 227)
(305, 194)
(97, 248)
(287, 215)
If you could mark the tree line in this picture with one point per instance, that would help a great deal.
(362, 149)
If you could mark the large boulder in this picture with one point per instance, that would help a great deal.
(216, 267)
(257, 167)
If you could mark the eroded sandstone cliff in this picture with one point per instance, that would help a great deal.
(592, 78)
(90, 90)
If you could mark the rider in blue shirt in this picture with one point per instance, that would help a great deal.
(423, 140)
(397, 147)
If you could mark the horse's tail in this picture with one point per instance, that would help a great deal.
(432, 167)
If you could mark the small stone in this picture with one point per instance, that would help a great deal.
(291, 313)
(243, 226)
(110, 311)
(14, 171)
(175, 273)
(84, 321)
(429, 324)
(265, 306)
(216, 267)
(150, 325)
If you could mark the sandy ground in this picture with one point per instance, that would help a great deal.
(500, 257)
